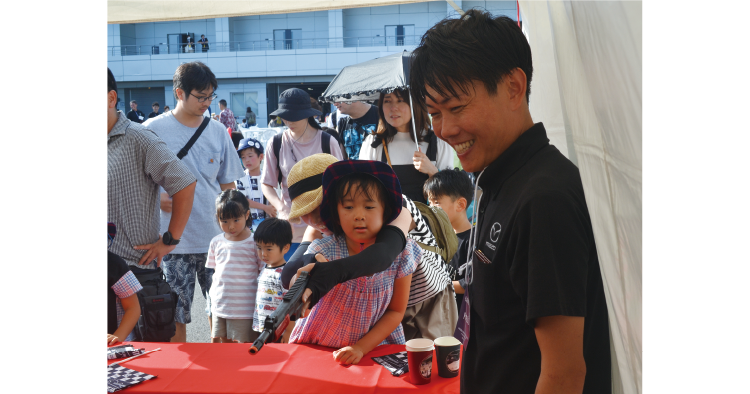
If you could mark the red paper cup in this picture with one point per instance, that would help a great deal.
(419, 355)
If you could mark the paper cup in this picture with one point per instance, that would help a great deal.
(419, 355)
(448, 353)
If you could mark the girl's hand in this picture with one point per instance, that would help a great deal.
(423, 164)
(348, 355)
(270, 211)
(111, 339)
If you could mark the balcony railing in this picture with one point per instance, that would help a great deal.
(264, 45)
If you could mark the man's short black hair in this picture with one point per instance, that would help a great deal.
(476, 47)
(193, 76)
(111, 83)
(274, 231)
(452, 183)
(155, 104)
(223, 102)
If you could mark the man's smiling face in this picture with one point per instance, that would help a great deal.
(473, 123)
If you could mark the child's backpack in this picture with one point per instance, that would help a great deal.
(441, 229)
(158, 306)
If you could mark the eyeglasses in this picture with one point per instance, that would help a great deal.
(212, 97)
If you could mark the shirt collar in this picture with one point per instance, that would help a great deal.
(122, 124)
(517, 154)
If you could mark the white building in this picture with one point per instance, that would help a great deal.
(257, 57)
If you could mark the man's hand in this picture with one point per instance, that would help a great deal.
(307, 268)
(165, 202)
(270, 211)
(348, 355)
(423, 164)
(156, 250)
(111, 339)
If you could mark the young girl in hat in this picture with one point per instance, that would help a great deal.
(358, 315)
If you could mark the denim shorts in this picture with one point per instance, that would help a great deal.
(181, 271)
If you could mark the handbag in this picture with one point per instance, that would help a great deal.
(158, 306)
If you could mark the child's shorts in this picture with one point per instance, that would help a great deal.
(240, 330)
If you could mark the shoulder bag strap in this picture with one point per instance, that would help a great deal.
(325, 142)
(276, 151)
(184, 151)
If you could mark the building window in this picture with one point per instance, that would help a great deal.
(399, 35)
(286, 38)
(242, 100)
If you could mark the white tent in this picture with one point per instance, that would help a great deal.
(586, 88)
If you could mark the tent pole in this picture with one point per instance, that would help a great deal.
(413, 123)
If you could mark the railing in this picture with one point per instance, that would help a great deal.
(264, 45)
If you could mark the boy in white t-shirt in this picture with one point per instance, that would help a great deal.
(251, 154)
(273, 239)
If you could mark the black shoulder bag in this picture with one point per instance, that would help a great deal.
(184, 151)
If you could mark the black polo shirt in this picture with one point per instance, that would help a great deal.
(541, 260)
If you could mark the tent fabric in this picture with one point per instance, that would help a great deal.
(366, 80)
(139, 11)
(587, 89)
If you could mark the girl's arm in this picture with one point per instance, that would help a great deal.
(384, 327)
(132, 312)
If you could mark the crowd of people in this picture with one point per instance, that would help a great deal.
(523, 292)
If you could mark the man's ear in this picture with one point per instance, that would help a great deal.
(515, 83)
(111, 99)
(180, 94)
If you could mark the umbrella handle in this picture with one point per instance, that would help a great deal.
(413, 123)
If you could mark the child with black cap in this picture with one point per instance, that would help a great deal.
(251, 154)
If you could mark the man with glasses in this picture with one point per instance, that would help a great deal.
(362, 120)
(214, 161)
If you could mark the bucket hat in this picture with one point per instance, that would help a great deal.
(305, 184)
(294, 105)
(250, 143)
(381, 171)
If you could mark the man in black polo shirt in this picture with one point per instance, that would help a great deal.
(538, 316)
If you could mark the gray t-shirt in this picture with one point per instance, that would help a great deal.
(213, 160)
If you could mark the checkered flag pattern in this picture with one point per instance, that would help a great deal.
(123, 351)
(396, 363)
(119, 377)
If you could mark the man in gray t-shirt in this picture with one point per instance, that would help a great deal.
(213, 160)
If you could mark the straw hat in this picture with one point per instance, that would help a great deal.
(305, 184)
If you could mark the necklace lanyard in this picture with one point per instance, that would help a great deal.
(294, 142)
(473, 235)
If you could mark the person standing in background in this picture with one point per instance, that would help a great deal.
(250, 117)
(155, 107)
(227, 116)
(134, 114)
(204, 43)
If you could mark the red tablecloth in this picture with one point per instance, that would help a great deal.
(277, 368)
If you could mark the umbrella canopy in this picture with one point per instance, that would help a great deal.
(365, 81)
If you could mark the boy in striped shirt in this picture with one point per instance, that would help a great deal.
(274, 238)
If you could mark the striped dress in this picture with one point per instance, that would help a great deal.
(344, 315)
(431, 275)
(235, 281)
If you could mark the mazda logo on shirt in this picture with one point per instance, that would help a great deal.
(495, 232)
